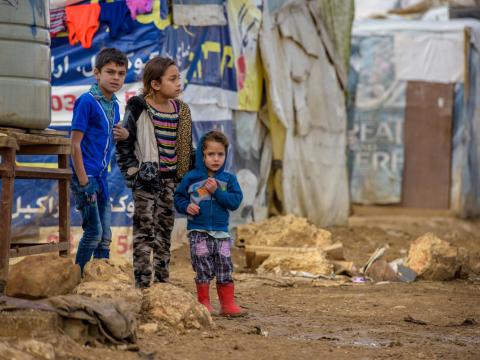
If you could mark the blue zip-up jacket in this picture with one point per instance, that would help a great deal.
(90, 118)
(214, 208)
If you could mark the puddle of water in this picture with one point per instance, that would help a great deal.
(365, 342)
(369, 343)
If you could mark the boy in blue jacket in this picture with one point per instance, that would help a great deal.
(95, 126)
(205, 195)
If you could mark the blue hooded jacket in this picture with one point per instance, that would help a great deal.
(214, 208)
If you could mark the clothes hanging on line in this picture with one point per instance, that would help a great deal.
(57, 21)
(82, 23)
(117, 16)
(139, 7)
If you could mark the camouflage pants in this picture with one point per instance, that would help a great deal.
(152, 226)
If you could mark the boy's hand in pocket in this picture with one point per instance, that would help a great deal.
(90, 192)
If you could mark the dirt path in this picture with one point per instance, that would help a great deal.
(309, 320)
(326, 319)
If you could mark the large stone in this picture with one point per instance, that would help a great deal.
(42, 276)
(380, 270)
(174, 308)
(468, 263)
(112, 290)
(29, 323)
(107, 270)
(8, 352)
(432, 258)
(288, 230)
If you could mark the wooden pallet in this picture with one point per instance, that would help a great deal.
(15, 142)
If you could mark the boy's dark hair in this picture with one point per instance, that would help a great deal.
(154, 70)
(108, 55)
(215, 136)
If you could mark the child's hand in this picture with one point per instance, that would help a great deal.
(120, 133)
(193, 209)
(211, 185)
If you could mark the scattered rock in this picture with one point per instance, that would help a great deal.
(314, 263)
(107, 270)
(112, 290)
(38, 349)
(79, 330)
(287, 230)
(380, 270)
(468, 263)
(432, 258)
(410, 319)
(173, 307)
(8, 352)
(42, 276)
(149, 328)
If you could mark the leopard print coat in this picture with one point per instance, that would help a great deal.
(125, 150)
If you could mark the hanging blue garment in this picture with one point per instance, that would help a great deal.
(117, 16)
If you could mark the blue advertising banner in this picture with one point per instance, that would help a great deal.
(207, 49)
(73, 65)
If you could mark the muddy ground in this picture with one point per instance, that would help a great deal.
(317, 319)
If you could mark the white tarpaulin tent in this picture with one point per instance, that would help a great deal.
(308, 101)
(442, 52)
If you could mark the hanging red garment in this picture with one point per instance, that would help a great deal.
(82, 23)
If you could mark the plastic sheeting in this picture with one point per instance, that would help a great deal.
(467, 144)
(337, 16)
(308, 101)
(244, 19)
(376, 121)
(198, 12)
(430, 57)
(253, 159)
(372, 62)
(55, 4)
(430, 51)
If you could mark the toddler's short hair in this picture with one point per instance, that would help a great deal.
(215, 136)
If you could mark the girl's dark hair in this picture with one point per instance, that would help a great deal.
(108, 55)
(215, 136)
(154, 70)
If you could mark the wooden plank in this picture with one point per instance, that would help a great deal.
(29, 172)
(10, 130)
(8, 141)
(48, 132)
(32, 139)
(6, 170)
(44, 150)
(344, 267)
(8, 162)
(64, 207)
(38, 249)
(257, 254)
(428, 145)
(276, 249)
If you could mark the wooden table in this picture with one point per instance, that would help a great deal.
(34, 142)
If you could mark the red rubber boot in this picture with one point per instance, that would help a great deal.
(226, 295)
(203, 295)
